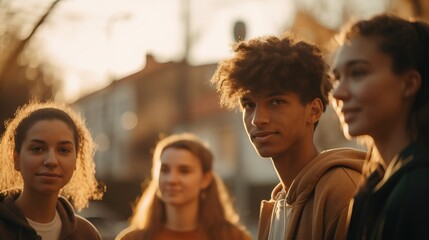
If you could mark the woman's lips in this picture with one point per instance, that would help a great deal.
(47, 174)
(350, 113)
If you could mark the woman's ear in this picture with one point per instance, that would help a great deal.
(412, 83)
(314, 110)
(16, 161)
(207, 179)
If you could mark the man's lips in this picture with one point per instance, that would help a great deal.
(262, 135)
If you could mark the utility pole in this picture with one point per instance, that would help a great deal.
(183, 81)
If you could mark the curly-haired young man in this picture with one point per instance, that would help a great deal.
(281, 86)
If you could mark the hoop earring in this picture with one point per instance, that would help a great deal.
(203, 195)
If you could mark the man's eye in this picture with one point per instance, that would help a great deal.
(247, 105)
(278, 101)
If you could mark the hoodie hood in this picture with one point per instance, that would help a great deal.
(319, 203)
(68, 219)
(11, 215)
(309, 176)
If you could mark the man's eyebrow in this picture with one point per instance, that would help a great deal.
(275, 93)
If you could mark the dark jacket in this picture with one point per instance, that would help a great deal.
(395, 204)
(14, 225)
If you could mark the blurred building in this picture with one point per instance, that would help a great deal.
(129, 116)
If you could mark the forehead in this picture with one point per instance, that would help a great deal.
(179, 156)
(50, 128)
(267, 93)
(357, 49)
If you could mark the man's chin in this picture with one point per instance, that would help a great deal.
(263, 150)
(265, 154)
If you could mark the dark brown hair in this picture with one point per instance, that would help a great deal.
(283, 64)
(406, 42)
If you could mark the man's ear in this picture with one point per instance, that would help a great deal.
(314, 110)
(207, 179)
(412, 83)
(16, 161)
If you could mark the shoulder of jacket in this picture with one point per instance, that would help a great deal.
(86, 228)
(346, 151)
(129, 234)
(340, 174)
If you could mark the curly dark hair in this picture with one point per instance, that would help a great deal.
(282, 64)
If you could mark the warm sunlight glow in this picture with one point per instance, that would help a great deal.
(89, 44)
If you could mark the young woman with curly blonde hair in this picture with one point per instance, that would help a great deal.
(46, 159)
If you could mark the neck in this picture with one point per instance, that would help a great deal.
(289, 164)
(37, 207)
(389, 148)
(392, 141)
(182, 218)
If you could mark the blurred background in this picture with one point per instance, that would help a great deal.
(139, 69)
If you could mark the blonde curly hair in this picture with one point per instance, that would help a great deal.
(83, 185)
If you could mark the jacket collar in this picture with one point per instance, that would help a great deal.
(309, 176)
(67, 215)
(407, 159)
(10, 212)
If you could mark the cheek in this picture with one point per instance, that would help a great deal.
(160, 180)
(195, 182)
(247, 121)
(379, 97)
(364, 91)
(69, 165)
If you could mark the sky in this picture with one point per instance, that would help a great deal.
(90, 43)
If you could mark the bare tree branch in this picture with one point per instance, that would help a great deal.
(11, 59)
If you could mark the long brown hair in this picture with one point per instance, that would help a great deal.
(217, 215)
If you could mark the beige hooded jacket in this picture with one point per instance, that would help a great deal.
(319, 196)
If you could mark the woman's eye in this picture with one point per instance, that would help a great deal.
(185, 171)
(356, 73)
(65, 150)
(164, 170)
(36, 149)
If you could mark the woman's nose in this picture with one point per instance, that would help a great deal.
(341, 91)
(51, 159)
